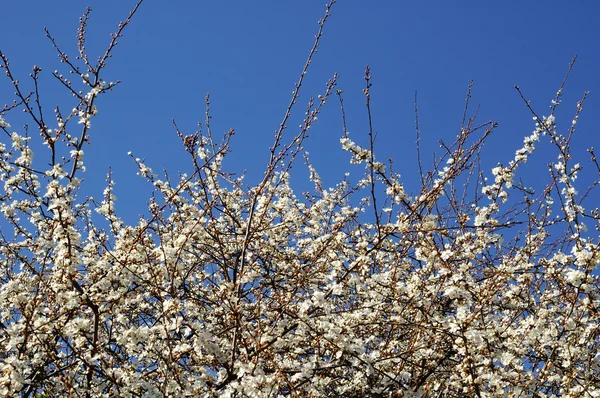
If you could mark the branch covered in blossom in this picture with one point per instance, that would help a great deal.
(468, 287)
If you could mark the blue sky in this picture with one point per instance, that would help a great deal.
(248, 55)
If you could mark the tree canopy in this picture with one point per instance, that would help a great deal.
(470, 287)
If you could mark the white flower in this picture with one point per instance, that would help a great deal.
(575, 276)
(3, 123)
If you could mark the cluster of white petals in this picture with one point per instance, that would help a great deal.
(3, 123)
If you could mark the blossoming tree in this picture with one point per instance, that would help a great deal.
(469, 288)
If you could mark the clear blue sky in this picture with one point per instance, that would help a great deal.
(248, 55)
